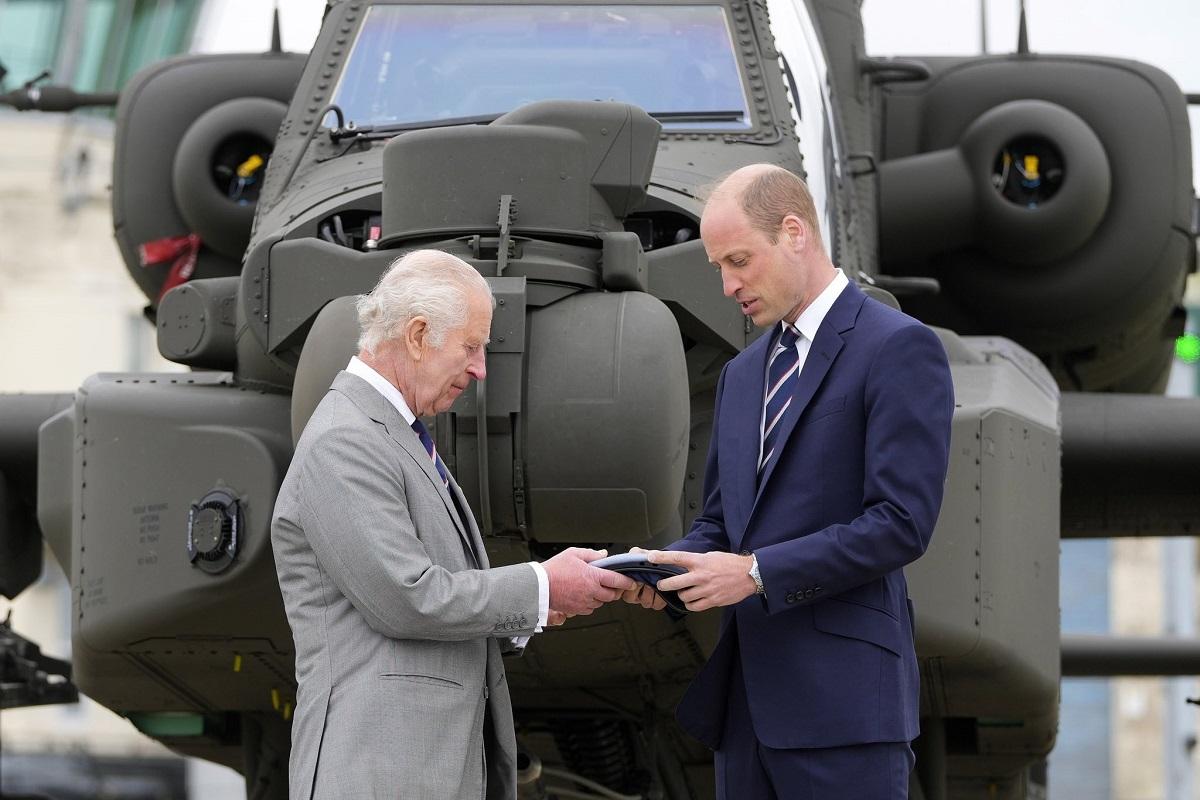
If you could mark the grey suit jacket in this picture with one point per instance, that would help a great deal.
(395, 630)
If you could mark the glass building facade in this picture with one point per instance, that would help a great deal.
(90, 45)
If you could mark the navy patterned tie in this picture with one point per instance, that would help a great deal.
(427, 440)
(781, 385)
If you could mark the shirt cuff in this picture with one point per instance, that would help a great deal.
(543, 595)
(543, 604)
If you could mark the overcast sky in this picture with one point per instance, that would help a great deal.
(1159, 32)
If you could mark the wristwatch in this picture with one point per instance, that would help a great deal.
(754, 574)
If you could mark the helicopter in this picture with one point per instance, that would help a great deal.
(1004, 200)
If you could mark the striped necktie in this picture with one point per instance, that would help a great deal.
(427, 440)
(781, 385)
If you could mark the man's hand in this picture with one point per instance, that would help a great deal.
(643, 594)
(578, 588)
(712, 579)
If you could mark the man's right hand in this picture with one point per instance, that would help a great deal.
(576, 587)
(643, 594)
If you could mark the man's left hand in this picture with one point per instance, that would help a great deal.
(712, 579)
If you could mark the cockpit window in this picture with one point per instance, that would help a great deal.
(412, 63)
(797, 40)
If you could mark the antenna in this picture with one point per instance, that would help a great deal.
(983, 27)
(1022, 34)
(276, 37)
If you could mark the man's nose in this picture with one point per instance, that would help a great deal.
(477, 369)
(729, 284)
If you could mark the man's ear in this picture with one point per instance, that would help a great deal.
(796, 232)
(416, 338)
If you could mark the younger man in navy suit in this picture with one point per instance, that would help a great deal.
(830, 442)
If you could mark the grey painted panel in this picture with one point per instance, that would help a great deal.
(607, 410)
(57, 485)
(944, 583)
(149, 447)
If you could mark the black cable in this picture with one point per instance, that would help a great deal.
(336, 109)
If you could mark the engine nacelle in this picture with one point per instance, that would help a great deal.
(193, 138)
(1048, 216)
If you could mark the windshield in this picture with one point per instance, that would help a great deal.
(415, 63)
(797, 40)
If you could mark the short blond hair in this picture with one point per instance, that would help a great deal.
(770, 196)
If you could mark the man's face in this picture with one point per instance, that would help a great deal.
(445, 372)
(767, 280)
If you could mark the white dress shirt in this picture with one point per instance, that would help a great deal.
(393, 396)
(805, 328)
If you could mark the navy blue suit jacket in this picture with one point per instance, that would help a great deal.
(853, 496)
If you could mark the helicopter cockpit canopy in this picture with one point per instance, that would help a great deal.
(415, 63)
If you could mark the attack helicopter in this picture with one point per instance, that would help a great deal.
(1008, 201)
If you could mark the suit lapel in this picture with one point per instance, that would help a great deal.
(821, 354)
(473, 534)
(745, 433)
(404, 435)
(376, 406)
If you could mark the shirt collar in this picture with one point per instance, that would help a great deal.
(381, 385)
(811, 317)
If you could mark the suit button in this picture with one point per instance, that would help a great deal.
(808, 595)
(791, 597)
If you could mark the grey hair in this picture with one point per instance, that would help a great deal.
(423, 283)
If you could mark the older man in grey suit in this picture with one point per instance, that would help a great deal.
(398, 620)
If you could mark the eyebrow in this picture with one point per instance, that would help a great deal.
(730, 254)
